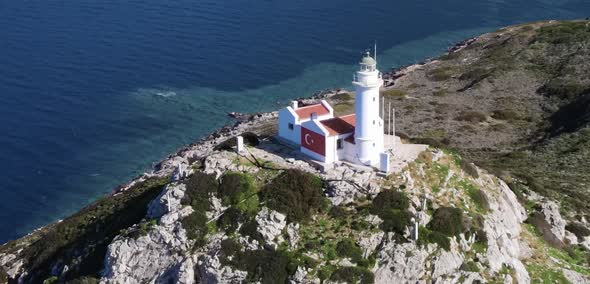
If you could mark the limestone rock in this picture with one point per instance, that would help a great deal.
(550, 210)
(293, 234)
(211, 270)
(156, 256)
(401, 263)
(169, 197)
(575, 277)
(369, 241)
(447, 263)
(503, 226)
(270, 224)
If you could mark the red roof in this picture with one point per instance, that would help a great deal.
(306, 111)
(340, 125)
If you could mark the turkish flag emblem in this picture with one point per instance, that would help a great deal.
(313, 141)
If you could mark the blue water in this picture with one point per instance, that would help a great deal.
(93, 92)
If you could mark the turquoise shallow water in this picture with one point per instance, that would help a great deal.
(93, 92)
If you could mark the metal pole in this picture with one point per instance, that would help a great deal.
(389, 123)
(393, 127)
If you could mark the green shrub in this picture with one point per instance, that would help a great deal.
(295, 193)
(426, 236)
(471, 116)
(360, 225)
(238, 190)
(325, 272)
(250, 229)
(229, 249)
(391, 206)
(196, 228)
(231, 219)
(578, 229)
(266, 266)
(469, 266)
(563, 89)
(352, 275)
(396, 220)
(389, 199)
(447, 220)
(339, 212)
(198, 188)
(349, 248)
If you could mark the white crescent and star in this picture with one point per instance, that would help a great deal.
(306, 137)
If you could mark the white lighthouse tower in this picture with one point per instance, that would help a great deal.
(369, 126)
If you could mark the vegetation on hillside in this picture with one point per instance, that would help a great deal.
(515, 101)
(80, 241)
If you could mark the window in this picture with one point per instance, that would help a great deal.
(339, 144)
(290, 126)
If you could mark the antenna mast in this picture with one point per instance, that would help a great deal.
(375, 52)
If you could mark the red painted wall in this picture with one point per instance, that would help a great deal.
(313, 141)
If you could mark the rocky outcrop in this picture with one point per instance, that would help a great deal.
(270, 224)
(447, 263)
(550, 211)
(211, 270)
(158, 256)
(402, 263)
(503, 226)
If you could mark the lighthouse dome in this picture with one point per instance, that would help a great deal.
(368, 60)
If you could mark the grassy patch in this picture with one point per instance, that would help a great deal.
(564, 33)
(427, 236)
(238, 190)
(343, 108)
(545, 275)
(471, 116)
(477, 196)
(442, 73)
(394, 93)
(343, 97)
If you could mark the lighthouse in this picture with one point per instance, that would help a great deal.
(368, 132)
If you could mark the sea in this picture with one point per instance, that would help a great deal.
(94, 92)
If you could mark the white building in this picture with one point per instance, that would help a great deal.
(357, 138)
